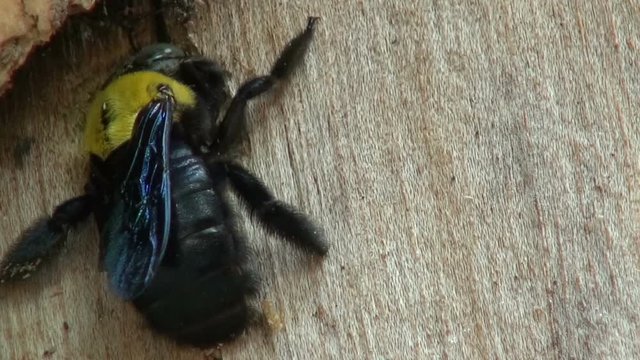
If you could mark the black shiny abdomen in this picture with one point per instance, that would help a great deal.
(198, 294)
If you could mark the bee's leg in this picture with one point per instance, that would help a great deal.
(209, 82)
(233, 123)
(43, 237)
(274, 214)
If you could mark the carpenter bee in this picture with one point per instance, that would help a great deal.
(159, 170)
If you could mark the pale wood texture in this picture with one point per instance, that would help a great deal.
(475, 164)
(25, 24)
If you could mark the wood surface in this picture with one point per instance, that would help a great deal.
(474, 163)
(26, 24)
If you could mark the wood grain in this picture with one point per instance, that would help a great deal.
(475, 164)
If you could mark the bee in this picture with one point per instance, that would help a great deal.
(160, 171)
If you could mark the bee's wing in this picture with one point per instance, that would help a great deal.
(137, 230)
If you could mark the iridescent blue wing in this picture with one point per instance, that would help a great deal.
(136, 232)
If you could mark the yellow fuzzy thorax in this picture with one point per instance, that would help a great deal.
(113, 111)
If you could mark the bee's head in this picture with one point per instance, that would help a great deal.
(161, 57)
(157, 57)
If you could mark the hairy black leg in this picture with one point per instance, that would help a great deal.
(275, 215)
(43, 237)
(233, 123)
(209, 82)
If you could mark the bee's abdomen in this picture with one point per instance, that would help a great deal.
(198, 295)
